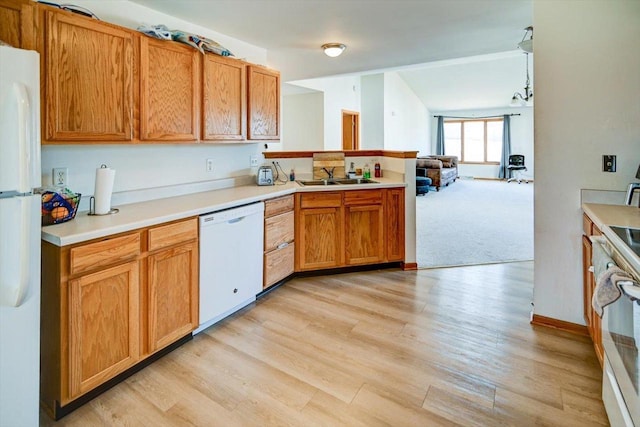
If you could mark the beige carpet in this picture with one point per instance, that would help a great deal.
(474, 222)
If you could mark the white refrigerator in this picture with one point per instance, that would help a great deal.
(19, 237)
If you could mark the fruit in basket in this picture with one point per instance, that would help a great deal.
(59, 212)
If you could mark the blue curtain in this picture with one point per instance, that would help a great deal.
(506, 147)
(440, 137)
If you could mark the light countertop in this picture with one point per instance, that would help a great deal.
(604, 216)
(132, 216)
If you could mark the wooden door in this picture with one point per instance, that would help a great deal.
(263, 108)
(103, 326)
(17, 27)
(89, 76)
(172, 294)
(350, 130)
(169, 91)
(319, 238)
(394, 224)
(224, 106)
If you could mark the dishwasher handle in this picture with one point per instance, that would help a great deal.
(234, 220)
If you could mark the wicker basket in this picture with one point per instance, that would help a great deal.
(59, 207)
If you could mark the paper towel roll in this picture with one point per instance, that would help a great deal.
(103, 190)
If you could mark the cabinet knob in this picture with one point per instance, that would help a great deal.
(235, 291)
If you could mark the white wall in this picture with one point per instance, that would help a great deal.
(340, 93)
(521, 139)
(372, 118)
(302, 123)
(406, 119)
(586, 105)
(147, 166)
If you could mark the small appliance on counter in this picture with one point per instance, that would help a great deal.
(265, 175)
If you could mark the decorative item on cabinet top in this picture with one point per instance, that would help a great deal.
(201, 43)
(72, 8)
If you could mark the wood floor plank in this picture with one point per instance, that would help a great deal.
(449, 346)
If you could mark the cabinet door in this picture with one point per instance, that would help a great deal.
(394, 217)
(224, 99)
(263, 108)
(103, 326)
(17, 23)
(278, 264)
(172, 295)
(319, 241)
(169, 91)
(587, 280)
(89, 95)
(364, 232)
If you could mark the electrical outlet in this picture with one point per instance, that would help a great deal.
(209, 165)
(608, 163)
(253, 161)
(60, 177)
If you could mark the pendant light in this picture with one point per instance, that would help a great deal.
(520, 100)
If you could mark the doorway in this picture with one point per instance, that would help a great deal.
(350, 130)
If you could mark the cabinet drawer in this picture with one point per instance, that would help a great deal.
(104, 253)
(363, 197)
(320, 200)
(278, 264)
(278, 230)
(171, 234)
(277, 206)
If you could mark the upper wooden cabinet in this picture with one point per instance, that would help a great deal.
(89, 75)
(263, 108)
(108, 84)
(224, 104)
(17, 27)
(169, 91)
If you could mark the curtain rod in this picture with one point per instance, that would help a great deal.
(481, 117)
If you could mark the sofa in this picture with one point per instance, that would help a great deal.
(443, 170)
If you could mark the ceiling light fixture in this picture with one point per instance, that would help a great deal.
(333, 49)
(527, 44)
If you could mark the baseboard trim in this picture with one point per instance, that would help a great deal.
(550, 322)
(409, 266)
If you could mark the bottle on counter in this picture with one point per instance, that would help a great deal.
(366, 174)
(377, 171)
(352, 171)
(292, 175)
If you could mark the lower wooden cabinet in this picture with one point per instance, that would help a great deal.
(110, 303)
(364, 227)
(172, 294)
(348, 228)
(104, 327)
(593, 321)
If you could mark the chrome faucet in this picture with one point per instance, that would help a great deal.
(633, 187)
(329, 172)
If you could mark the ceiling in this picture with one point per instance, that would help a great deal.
(379, 34)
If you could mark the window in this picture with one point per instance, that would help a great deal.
(474, 141)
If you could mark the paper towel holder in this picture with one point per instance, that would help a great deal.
(92, 208)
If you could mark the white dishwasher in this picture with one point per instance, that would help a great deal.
(231, 249)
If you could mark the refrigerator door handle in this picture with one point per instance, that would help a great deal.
(19, 224)
(28, 141)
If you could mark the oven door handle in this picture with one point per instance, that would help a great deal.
(631, 291)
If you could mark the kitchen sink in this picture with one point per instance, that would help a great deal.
(356, 181)
(343, 181)
(316, 182)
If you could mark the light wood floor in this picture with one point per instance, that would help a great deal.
(424, 348)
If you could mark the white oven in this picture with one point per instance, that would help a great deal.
(620, 339)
